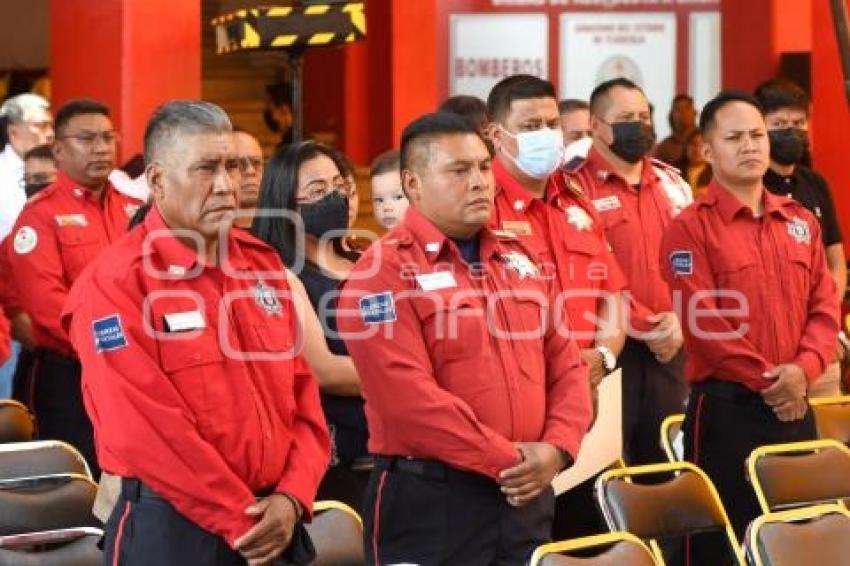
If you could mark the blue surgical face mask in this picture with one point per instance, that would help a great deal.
(539, 152)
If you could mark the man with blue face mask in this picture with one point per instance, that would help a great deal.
(534, 204)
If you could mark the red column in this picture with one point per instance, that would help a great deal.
(131, 55)
(748, 34)
(830, 113)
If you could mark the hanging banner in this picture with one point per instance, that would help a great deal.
(640, 46)
(480, 57)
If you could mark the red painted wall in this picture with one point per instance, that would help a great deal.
(131, 55)
(830, 113)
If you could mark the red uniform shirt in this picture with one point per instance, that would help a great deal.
(458, 365)
(58, 233)
(635, 219)
(187, 380)
(784, 308)
(568, 237)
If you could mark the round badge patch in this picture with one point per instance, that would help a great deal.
(25, 240)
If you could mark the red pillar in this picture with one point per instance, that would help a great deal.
(131, 55)
(830, 113)
(748, 36)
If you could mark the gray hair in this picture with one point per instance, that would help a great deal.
(182, 117)
(14, 109)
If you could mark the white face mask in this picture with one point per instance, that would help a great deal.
(539, 152)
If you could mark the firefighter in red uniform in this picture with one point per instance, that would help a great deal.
(474, 398)
(636, 197)
(534, 202)
(760, 302)
(58, 233)
(186, 332)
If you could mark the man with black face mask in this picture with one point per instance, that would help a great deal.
(637, 197)
(786, 113)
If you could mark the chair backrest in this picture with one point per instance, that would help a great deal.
(686, 503)
(799, 474)
(337, 534)
(16, 422)
(810, 535)
(40, 458)
(832, 416)
(671, 438)
(66, 547)
(611, 549)
(47, 503)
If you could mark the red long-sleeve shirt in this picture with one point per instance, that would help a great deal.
(565, 232)
(635, 219)
(458, 365)
(777, 299)
(58, 233)
(186, 377)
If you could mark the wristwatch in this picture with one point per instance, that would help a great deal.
(609, 360)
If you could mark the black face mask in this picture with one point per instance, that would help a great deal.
(326, 214)
(32, 188)
(632, 140)
(787, 145)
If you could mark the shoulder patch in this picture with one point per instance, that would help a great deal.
(108, 334)
(26, 239)
(378, 308)
(682, 263)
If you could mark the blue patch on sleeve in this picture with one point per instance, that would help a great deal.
(682, 262)
(108, 334)
(375, 309)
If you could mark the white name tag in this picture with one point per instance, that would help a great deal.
(607, 203)
(438, 280)
(184, 321)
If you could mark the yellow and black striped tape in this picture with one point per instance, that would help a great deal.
(291, 27)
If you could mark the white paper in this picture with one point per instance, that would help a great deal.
(603, 443)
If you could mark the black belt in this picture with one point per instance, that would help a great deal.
(727, 390)
(134, 490)
(432, 470)
(56, 358)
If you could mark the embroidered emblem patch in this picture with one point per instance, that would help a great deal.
(378, 308)
(266, 298)
(108, 334)
(578, 217)
(521, 264)
(682, 263)
(799, 230)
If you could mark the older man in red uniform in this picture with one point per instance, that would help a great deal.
(760, 307)
(636, 197)
(186, 332)
(474, 398)
(59, 232)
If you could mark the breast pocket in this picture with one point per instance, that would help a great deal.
(528, 313)
(197, 369)
(801, 270)
(78, 247)
(737, 275)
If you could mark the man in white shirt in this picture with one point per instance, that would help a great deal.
(28, 123)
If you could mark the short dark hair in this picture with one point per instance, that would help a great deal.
(278, 191)
(599, 96)
(42, 151)
(466, 105)
(707, 118)
(419, 134)
(571, 105)
(77, 107)
(387, 162)
(516, 87)
(343, 163)
(780, 93)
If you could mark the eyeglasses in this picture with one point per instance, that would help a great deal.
(89, 139)
(320, 188)
(34, 178)
(250, 161)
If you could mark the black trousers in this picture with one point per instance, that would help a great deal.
(145, 529)
(341, 483)
(652, 391)
(423, 512)
(57, 401)
(723, 424)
